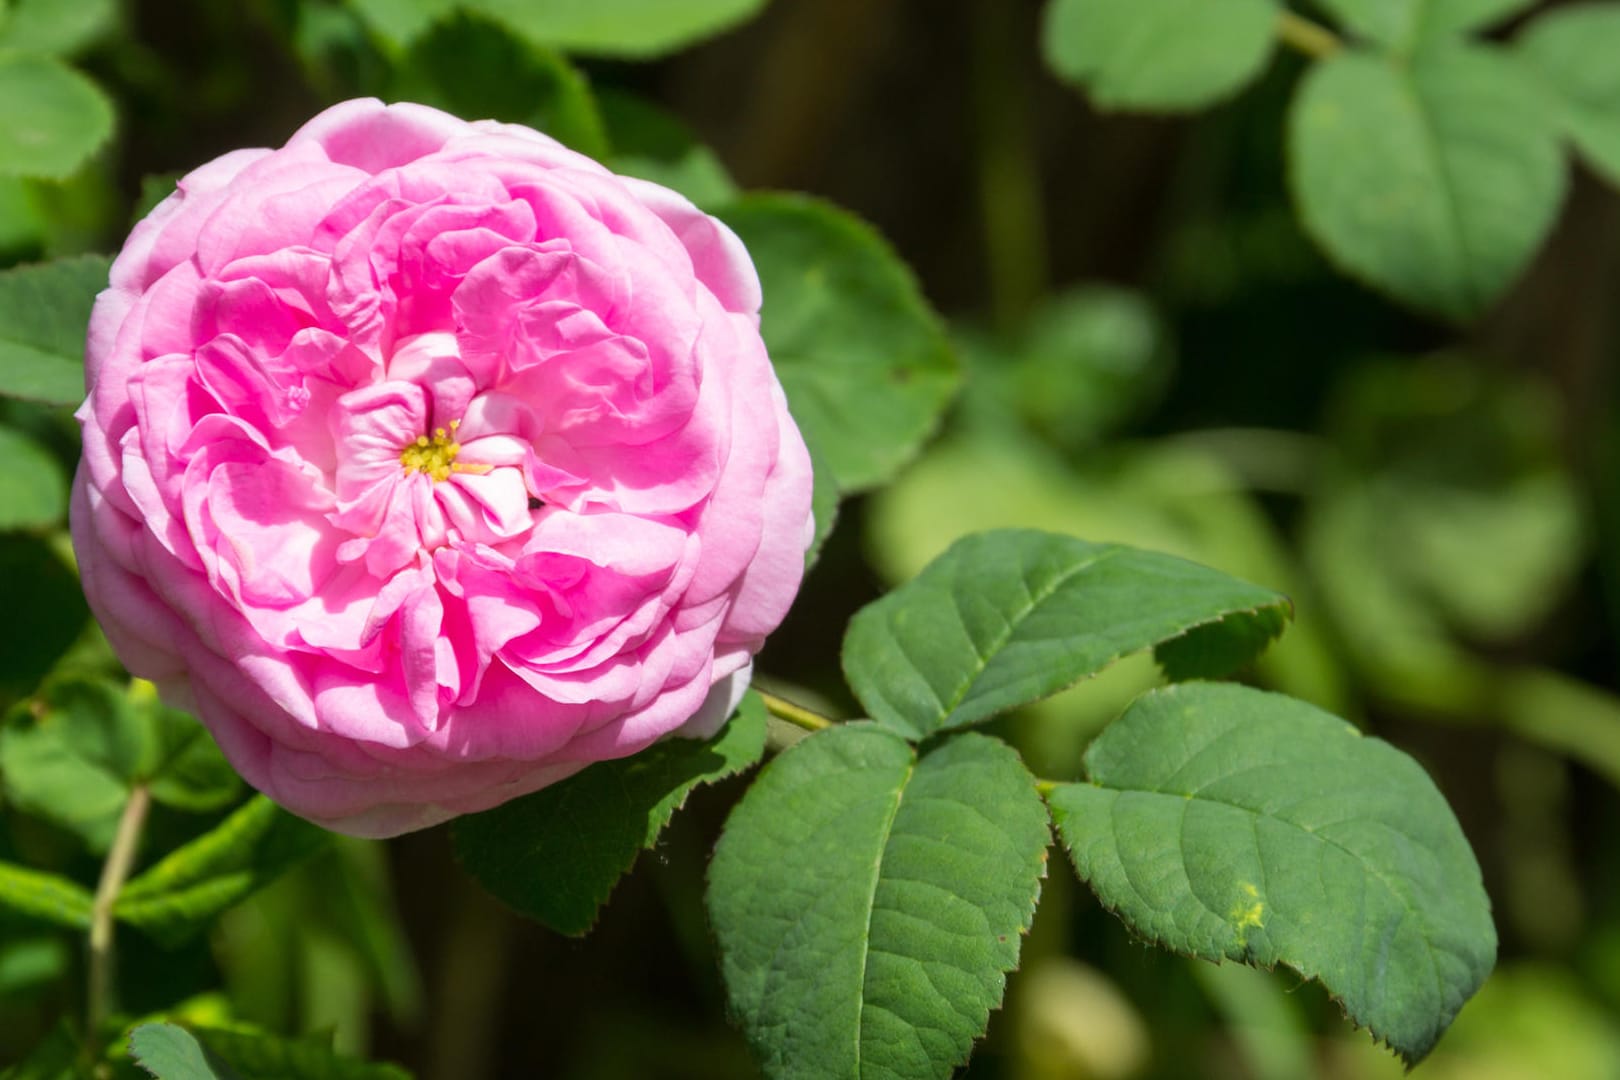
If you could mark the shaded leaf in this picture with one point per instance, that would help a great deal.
(57, 27)
(44, 312)
(1573, 50)
(51, 117)
(1228, 823)
(867, 367)
(629, 28)
(45, 896)
(33, 487)
(556, 855)
(868, 905)
(1405, 24)
(654, 145)
(1008, 617)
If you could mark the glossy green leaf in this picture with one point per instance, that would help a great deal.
(1404, 24)
(1228, 823)
(654, 145)
(868, 905)
(867, 367)
(51, 117)
(475, 69)
(1159, 54)
(628, 28)
(1573, 50)
(170, 1052)
(57, 27)
(45, 896)
(556, 855)
(1008, 617)
(1433, 179)
(44, 312)
(33, 485)
(186, 889)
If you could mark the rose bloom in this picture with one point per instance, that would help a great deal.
(428, 462)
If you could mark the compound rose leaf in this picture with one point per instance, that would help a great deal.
(1008, 617)
(868, 905)
(1228, 823)
(556, 855)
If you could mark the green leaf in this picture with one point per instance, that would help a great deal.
(170, 1052)
(654, 145)
(51, 117)
(628, 28)
(1228, 823)
(555, 855)
(41, 585)
(1159, 54)
(33, 487)
(867, 368)
(401, 22)
(1404, 24)
(1433, 179)
(1573, 49)
(868, 905)
(154, 189)
(173, 1053)
(823, 506)
(185, 890)
(58, 27)
(473, 68)
(44, 312)
(45, 896)
(1008, 617)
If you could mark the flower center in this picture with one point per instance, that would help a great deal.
(436, 456)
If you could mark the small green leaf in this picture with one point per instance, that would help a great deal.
(173, 1053)
(1404, 24)
(51, 117)
(1434, 179)
(1008, 617)
(33, 487)
(45, 896)
(170, 1052)
(869, 905)
(654, 145)
(1573, 50)
(54, 26)
(401, 22)
(867, 367)
(185, 890)
(44, 312)
(555, 855)
(627, 28)
(1159, 54)
(1228, 823)
(474, 68)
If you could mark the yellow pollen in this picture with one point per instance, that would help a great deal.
(436, 457)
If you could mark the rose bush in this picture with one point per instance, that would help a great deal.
(428, 462)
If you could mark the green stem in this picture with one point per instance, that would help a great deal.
(114, 872)
(1303, 35)
(797, 715)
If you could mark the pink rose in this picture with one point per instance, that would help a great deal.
(428, 462)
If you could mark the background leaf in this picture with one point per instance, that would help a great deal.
(45, 896)
(1433, 179)
(555, 855)
(1159, 54)
(627, 28)
(1573, 49)
(54, 26)
(1225, 822)
(855, 938)
(33, 487)
(655, 145)
(1404, 24)
(51, 117)
(867, 367)
(170, 1052)
(1007, 617)
(187, 888)
(44, 312)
